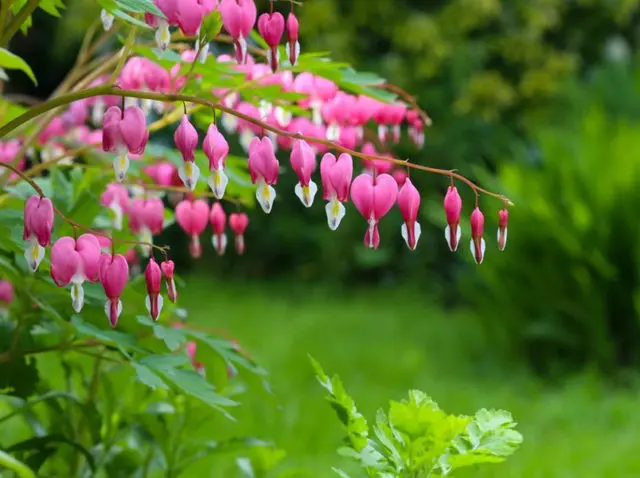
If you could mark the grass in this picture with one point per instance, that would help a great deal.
(384, 342)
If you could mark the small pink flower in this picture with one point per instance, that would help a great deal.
(6, 292)
(409, 203)
(293, 47)
(453, 208)
(377, 166)
(186, 139)
(192, 216)
(116, 198)
(303, 162)
(263, 168)
(38, 224)
(191, 349)
(503, 218)
(124, 132)
(336, 178)
(218, 221)
(373, 198)
(153, 278)
(168, 268)
(113, 275)
(238, 222)
(271, 28)
(477, 230)
(400, 175)
(75, 261)
(146, 219)
(216, 148)
(190, 16)
(238, 18)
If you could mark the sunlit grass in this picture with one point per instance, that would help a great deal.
(383, 343)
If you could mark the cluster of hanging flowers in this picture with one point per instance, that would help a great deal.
(337, 122)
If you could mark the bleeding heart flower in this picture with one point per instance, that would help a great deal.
(263, 168)
(216, 148)
(373, 198)
(238, 18)
(75, 261)
(124, 132)
(503, 218)
(477, 230)
(293, 48)
(303, 162)
(218, 221)
(153, 277)
(113, 274)
(271, 28)
(238, 222)
(38, 224)
(453, 209)
(409, 203)
(336, 177)
(192, 216)
(186, 139)
(167, 268)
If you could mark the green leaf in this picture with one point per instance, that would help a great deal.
(124, 342)
(344, 406)
(10, 61)
(194, 384)
(172, 337)
(20, 376)
(489, 438)
(166, 361)
(340, 473)
(42, 442)
(149, 377)
(211, 25)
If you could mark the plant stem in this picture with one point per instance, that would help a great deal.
(109, 90)
(9, 462)
(18, 20)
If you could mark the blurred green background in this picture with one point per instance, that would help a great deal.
(539, 100)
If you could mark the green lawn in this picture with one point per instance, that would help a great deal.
(384, 342)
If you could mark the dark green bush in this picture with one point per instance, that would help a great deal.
(567, 289)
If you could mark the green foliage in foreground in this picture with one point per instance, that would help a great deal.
(383, 342)
(417, 439)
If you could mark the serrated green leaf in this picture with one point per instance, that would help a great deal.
(9, 61)
(173, 338)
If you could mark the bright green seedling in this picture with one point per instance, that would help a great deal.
(415, 438)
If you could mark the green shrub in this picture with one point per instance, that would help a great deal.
(567, 289)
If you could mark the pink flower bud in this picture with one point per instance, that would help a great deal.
(6, 292)
(303, 162)
(373, 198)
(400, 176)
(153, 277)
(453, 209)
(216, 148)
(336, 178)
(238, 222)
(218, 221)
(38, 224)
(113, 274)
(503, 217)
(409, 203)
(293, 47)
(271, 28)
(477, 231)
(186, 139)
(168, 268)
(192, 216)
(263, 168)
